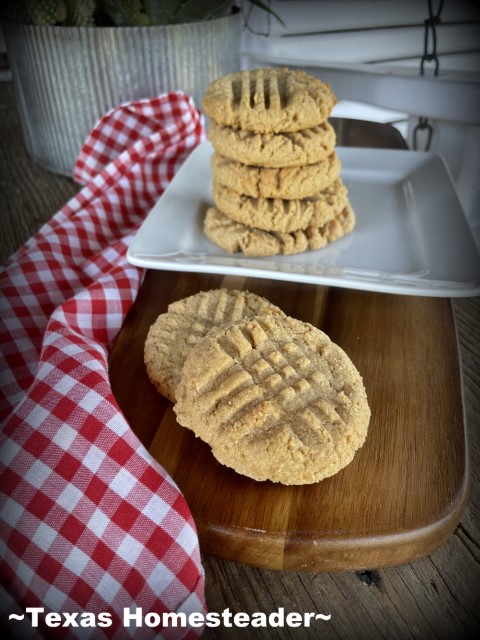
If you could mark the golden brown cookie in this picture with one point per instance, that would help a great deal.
(174, 333)
(234, 236)
(274, 150)
(268, 100)
(275, 399)
(276, 214)
(289, 183)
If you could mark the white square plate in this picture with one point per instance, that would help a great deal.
(411, 235)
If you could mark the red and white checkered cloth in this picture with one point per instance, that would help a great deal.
(89, 521)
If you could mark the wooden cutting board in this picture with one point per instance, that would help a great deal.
(406, 489)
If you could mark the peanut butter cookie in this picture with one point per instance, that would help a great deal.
(277, 214)
(173, 334)
(268, 100)
(289, 183)
(275, 399)
(234, 236)
(285, 149)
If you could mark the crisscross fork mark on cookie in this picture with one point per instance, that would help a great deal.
(286, 374)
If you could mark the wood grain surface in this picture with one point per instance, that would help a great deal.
(434, 598)
(405, 490)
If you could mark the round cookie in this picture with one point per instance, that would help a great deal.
(274, 150)
(275, 399)
(268, 100)
(276, 214)
(234, 236)
(173, 333)
(289, 183)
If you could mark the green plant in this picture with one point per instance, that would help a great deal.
(118, 12)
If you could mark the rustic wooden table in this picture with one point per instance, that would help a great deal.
(433, 597)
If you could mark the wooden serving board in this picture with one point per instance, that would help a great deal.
(406, 489)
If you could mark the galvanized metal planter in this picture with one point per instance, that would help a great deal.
(66, 78)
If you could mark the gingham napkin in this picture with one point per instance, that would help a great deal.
(89, 521)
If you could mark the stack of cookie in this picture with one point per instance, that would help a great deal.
(276, 174)
(273, 396)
